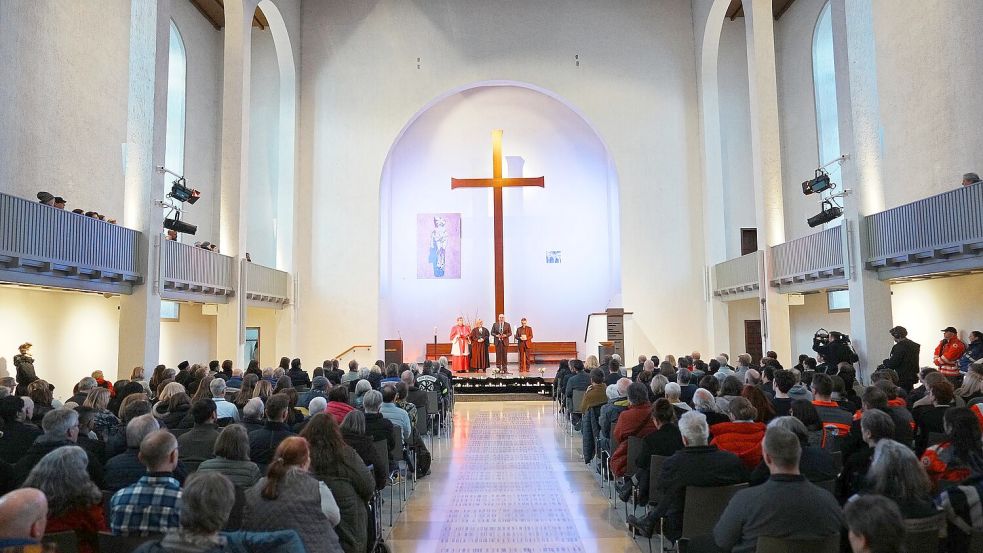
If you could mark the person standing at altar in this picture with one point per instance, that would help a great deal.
(523, 335)
(460, 338)
(479, 346)
(502, 331)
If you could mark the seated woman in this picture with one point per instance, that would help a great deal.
(360, 388)
(40, 393)
(339, 466)
(353, 433)
(232, 457)
(178, 409)
(805, 411)
(760, 402)
(74, 501)
(960, 455)
(104, 422)
(972, 387)
(263, 390)
(290, 498)
(245, 392)
(665, 441)
(704, 402)
(929, 418)
(896, 473)
(742, 435)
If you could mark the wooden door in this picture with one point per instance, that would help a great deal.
(752, 340)
(749, 240)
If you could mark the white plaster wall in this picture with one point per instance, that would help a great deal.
(192, 338)
(735, 126)
(737, 313)
(73, 333)
(264, 114)
(268, 321)
(806, 319)
(454, 138)
(927, 306)
(360, 85)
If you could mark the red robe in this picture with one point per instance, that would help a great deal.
(479, 348)
(460, 340)
(525, 346)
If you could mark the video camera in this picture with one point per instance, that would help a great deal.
(824, 336)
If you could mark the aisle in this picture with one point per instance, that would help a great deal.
(509, 481)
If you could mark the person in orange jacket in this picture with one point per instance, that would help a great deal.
(948, 352)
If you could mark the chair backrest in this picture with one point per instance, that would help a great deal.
(397, 450)
(614, 439)
(830, 544)
(634, 450)
(655, 469)
(704, 506)
(922, 534)
(235, 516)
(109, 543)
(382, 451)
(421, 424)
(64, 542)
(433, 405)
(828, 485)
(577, 399)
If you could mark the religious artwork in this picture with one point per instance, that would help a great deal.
(438, 245)
(554, 257)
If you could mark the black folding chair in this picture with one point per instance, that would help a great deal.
(830, 544)
(701, 512)
(922, 534)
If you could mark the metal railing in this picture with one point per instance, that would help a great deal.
(812, 261)
(49, 246)
(267, 285)
(944, 227)
(193, 270)
(737, 276)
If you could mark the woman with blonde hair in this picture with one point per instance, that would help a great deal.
(671, 359)
(245, 392)
(591, 363)
(972, 387)
(104, 422)
(203, 391)
(263, 390)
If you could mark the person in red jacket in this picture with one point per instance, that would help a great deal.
(960, 455)
(338, 405)
(947, 354)
(102, 382)
(634, 421)
(741, 436)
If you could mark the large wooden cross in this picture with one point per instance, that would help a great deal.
(496, 183)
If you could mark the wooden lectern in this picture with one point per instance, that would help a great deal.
(394, 351)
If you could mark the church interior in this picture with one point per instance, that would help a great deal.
(559, 275)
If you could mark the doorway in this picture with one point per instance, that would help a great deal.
(252, 343)
(752, 340)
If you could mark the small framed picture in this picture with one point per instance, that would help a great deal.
(554, 257)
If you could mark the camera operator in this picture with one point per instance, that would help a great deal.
(834, 347)
(904, 358)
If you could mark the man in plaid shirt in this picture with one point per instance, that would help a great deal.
(153, 504)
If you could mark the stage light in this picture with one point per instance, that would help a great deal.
(817, 184)
(178, 225)
(828, 213)
(182, 193)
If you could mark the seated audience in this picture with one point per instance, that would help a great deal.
(875, 426)
(786, 506)
(928, 418)
(361, 388)
(338, 406)
(252, 414)
(896, 474)
(197, 445)
(760, 402)
(814, 463)
(151, 505)
(377, 426)
(23, 520)
(617, 403)
(235, 381)
(414, 395)
(336, 464)
(960, 455)
(232, 457)
(781, 402)
(126, 468)
(104, 422)
(61, 428)
(730, 388)
(742, 435)
(297, 375)
(263, 442)
(634, 421)
(590, 407)
(697, 464)
(686, 386)
(319, 388)
(263, 390)
(874, 525)
(74, 501)
(290, 498)
(17, 435)
(246, 389)
(673, 393)
(665, 441)
(836, 421)
(353, 433)
(223, 408)
(40, 393)
(392, 412)
(82, 390)
(704, 402)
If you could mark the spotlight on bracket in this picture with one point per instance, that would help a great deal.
(817, 184)
(177, 225)
(829, 212)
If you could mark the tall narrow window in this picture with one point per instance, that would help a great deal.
(824, 80)
(177, 90)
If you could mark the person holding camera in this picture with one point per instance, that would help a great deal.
(834, 347)
(904, 358)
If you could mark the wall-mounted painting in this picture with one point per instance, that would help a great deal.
(438, 245)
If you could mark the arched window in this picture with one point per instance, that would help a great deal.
(824, 81)
(177, 90)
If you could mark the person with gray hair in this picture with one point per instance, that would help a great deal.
(125, 468)
(815, 463)
(704, 402)
(206, 503)
(23, 517)
(223, 408)
(969, 179)
(232, 458)
(698, 465)
(82, 390)
(252, 414)
(610, 412)
(897, 474)
(786, 505)
(377, 426)
(151, 504)
(74, 501)
(320, 386)
(61, 428)
(875, 426)
(874, 525)
(361, 388)
(673, 392)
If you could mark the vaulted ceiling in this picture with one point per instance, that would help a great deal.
(779, 7)
(214, 12)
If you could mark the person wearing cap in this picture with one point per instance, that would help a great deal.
(969, 179)
(60, 202)
(46, 198)
(904, 358)
(947, 354)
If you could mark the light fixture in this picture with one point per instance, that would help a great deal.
(829, 212)
(177, 225)
(817, 184)
(181, 192)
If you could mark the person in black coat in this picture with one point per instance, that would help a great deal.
(665, 441)
(263, 442)
(697, 464)
(60, 429)
(614, 373)
(17, 435)
(298, 376)
(815, 463)
(835, 350)
(904, 358)
(578, 381)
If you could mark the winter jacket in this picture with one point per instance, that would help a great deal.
(951, 350)
(338, 410)
(297, 507)
(352, 485)
(46, 444)
(904, 361)
(742, 439)
(973, 353)
(283, 541)
(634, 421)
(242, 474)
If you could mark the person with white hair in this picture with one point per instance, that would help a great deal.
(252, 414)
(704, 402)
(61, 428)
(673, 392)
(82, 389)
(223, 408)
(74, 501)
(696, 464)
(125, 468)
(725, 370)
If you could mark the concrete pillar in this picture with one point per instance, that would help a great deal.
(766, 162)
(139, 315)
(858, 111)
(231, 332)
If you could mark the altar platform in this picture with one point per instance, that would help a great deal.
(535, 384)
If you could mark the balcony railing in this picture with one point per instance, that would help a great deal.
(195, 273)
(47, 246)
(736, 277)
(809, 263)
(266, 285)
(932, 235)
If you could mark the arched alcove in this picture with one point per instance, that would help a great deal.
(575, 214)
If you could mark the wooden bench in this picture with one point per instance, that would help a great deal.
(542, 352)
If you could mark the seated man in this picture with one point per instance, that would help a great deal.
(610, 412)
(830, 413)
(206, 504)
(875, 525)
(61, 428)
(697, 464)
(125, 469)
(393, 413)
(236, 381)
(198, 444)
(224, 409)
(23, 518)
(18, 435)
(786, 506)
(414, 395)
(264, 441)
(376, 425)
(84, 386)
(319, 388)
(151, 505)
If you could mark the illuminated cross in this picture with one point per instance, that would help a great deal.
(496, 183)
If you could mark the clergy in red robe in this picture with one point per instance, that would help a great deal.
(523, 335)
(460, 342)
(479, 346)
